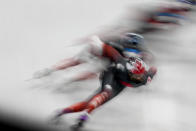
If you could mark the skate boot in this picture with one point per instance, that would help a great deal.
(80, 123)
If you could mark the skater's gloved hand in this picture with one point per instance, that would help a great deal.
(42, 73)
(121, 64)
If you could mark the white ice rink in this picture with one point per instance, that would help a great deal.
(34, 35)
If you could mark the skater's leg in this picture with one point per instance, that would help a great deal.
(98, 100)
(93, 103)
(80, 106)
(110, 88)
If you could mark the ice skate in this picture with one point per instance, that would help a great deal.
(80, 123)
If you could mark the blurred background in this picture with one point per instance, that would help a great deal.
(34, 34)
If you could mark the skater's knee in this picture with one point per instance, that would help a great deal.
(108, 88)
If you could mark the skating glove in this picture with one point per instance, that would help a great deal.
(121, 64)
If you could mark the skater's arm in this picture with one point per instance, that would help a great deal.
(111, 53)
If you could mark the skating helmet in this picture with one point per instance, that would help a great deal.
(136, 65)
(137, 69)
(131, 39)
